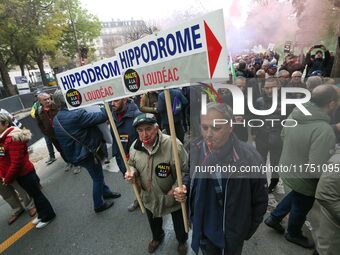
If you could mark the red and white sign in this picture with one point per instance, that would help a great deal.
(190, 53)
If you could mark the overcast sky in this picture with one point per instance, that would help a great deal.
(148, 9)
(107, 10)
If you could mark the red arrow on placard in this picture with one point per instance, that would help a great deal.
(214, 48)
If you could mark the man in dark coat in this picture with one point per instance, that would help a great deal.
(225, 207)
(44, 115)
(319, 62)
(267, 137)
(124, 112)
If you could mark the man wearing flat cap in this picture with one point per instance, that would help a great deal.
(153, 166)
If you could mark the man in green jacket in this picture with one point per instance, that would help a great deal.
(153, 165)
(306, 147)
(328, 196)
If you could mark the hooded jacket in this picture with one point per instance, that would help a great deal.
(306, 146)
(14, 158)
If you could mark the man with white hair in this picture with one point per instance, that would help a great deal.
(44, 115)
(296, 82)
(284, 77)
(153, 166)
(313, 81)
(265, 65)
(257, 84)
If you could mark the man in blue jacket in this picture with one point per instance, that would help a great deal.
(225, 207)
(79, 137)
(124, 112)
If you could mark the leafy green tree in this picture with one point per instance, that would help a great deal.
(59, 62)
(30, 29)
(322, 18)
(46, 27)
(81, 29)
(9, 37)
(35, 29)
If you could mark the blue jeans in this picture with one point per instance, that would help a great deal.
(99, 187)
(106, 154)
(298, 206)
(31, 183)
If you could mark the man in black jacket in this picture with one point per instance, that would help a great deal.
(240, 129)
(225, 207)
(257, 84)
(124, 113)
(318, 62)
(267, 137)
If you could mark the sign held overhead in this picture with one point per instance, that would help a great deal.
(194, 51)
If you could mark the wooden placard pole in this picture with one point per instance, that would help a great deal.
(122, 152)
(175, 153)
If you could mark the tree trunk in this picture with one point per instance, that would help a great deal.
(22, 69)
(40, 62)
(10, 89)
(38, 57)
(336, 65)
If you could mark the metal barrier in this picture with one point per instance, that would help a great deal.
(31, 124)
(12, 104)
(18, 103)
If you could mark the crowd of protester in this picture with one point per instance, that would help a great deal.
(220, 225)
(318, 61)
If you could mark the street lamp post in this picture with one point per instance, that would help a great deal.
(336, 65)
(74, 31)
